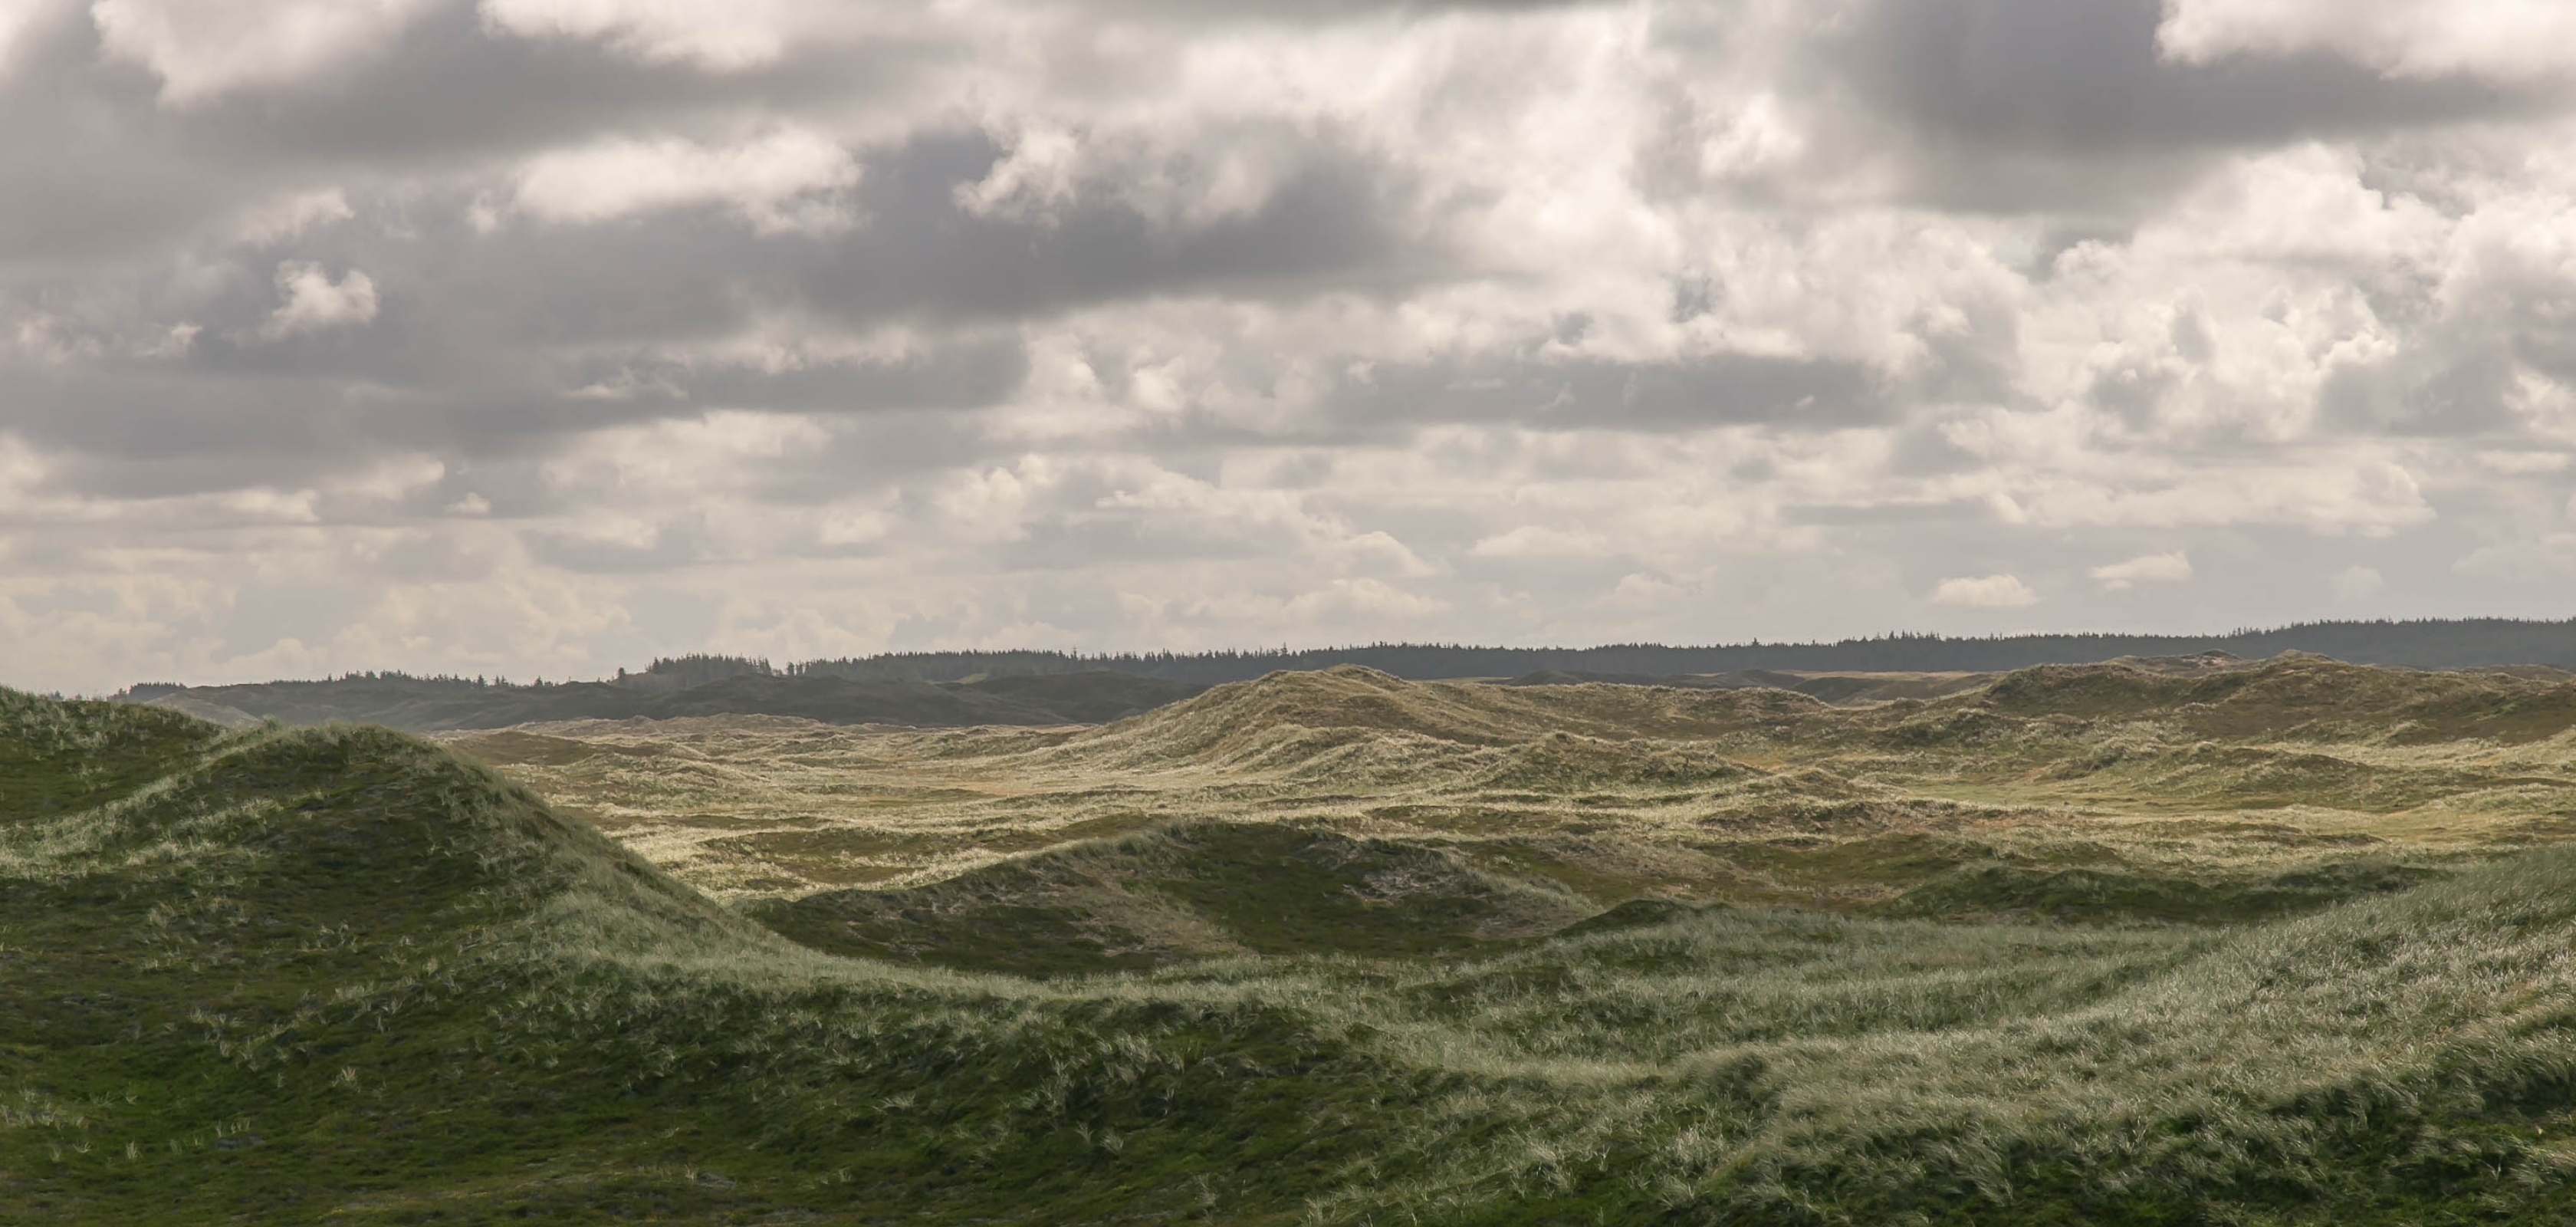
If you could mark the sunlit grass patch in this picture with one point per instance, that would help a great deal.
(1631, 790)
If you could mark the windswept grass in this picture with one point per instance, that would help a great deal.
(340, 975)
(2227, 777)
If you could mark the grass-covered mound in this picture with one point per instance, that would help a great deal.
(1176, 893)
(337, 975)
(2226, 774)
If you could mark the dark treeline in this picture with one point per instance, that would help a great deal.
(2463, 644)
(142, 691)
(2423, 644)
(954, 666)
(698, 669)
(419, 705)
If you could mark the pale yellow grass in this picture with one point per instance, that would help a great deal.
(1611, 791)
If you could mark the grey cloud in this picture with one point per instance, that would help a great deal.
(966, 375)
(84, 171)
(692, 272)
(422, 556)
(1943, 511)
(2423, 393)
(451, 91)
(152, 433)
(1327, 226)
(876, 453)
(312, 612)
(1060, 542)
(1406, 303)
(2083, 77)
(162, 433)
(1923, 450)
(673, 544)
(480, 336)
(92, 164)
(2015, 104)
(1304, 12)
(1598, 394)
(918, 255)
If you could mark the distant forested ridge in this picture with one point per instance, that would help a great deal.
(1037, 687)
(2427, 644)
(432, 704)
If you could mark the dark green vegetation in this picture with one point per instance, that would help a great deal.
(418, 704)
(2097, 895)
(1172, 894)
(949, 689)
(338, 975)
(2434, 643)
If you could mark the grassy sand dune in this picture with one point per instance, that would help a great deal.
(340, 975)
(2132, 776)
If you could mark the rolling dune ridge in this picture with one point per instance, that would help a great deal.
(2291, 944)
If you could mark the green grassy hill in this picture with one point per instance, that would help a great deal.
(339, 975)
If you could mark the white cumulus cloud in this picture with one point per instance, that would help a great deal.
(202, 48)
(788, 180)
(314, 302)
(2170, 568)
(2415, 38)
(2356, 583)
(1125, 323)
(1984, 592)
(1541, 541)
(715, 34)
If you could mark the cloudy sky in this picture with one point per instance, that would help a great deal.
(536, 337)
